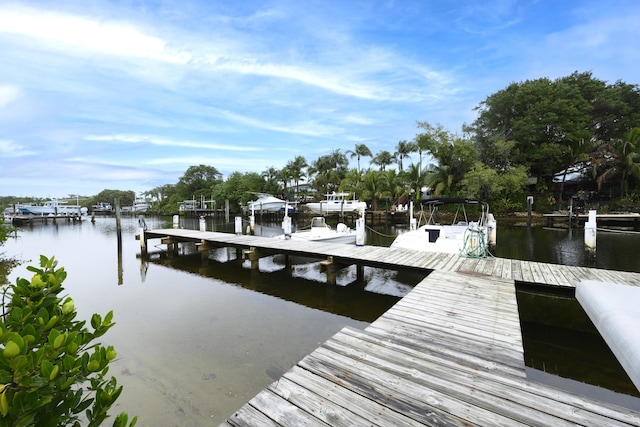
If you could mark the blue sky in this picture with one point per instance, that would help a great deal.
(128, 94)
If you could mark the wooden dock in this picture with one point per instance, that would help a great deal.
(340, 255)
(449, 353)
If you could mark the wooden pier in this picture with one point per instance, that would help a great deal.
(449, 353)
(337, 256)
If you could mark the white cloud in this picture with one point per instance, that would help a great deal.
(9, 94)
(12, 149)
(305, 128)
(84, 33)
(155, 140)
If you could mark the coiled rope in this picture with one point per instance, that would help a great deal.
(474, 243)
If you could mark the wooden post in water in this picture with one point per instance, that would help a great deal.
(119, 239)
(226, 211)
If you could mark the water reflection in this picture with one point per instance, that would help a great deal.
(302, 283)
(195, 339)
(560, 340)
(615, 251)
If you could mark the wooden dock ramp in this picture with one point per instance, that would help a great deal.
(448, 354)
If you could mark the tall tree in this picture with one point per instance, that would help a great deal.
(284, 176)
(404, 149)
(542, 116)
(353, 182)
(197, 181)
(382, 159)
(453, 160)
(430, 135)
(271, 185)
(620, 159)
(296, 170)
(361, 150)
(375, 187)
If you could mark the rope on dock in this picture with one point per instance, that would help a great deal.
(380, 234)
(474, 243)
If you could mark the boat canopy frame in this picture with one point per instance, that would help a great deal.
(434, 203)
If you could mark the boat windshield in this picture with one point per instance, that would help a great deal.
(318, 221)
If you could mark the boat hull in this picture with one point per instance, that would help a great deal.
(324, 208)
(448, 239)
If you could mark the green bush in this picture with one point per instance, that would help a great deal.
(52, 373)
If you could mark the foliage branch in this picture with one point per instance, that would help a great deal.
(52, 373)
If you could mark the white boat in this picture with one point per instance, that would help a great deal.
(463, 237)
(102, 208)
(337, 203)
(140, 206)
(321, 232)
(266, 203)
(51, 208)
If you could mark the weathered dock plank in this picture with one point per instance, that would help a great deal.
(396, 258)
(449, 353)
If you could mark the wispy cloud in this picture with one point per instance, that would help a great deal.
(165, 142)
(12, 149)
(9, 94)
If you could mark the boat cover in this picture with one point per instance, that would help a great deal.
(613, 309)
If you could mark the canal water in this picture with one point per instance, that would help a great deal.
(196, 339)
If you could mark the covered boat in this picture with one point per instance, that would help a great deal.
(266, 203)
(320, 231)
(461, 236)
(337, 203)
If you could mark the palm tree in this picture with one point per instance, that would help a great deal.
(432, 136)
(415, 178)
(360, 151)
(375, 186)
(295, 168)
(382, 159)
(622, 160)
(353, 182)
(271, 176)
(395, 184)
(441, 178)
(284, 176)
(403, 149)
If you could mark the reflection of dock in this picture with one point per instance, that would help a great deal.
(449, 353)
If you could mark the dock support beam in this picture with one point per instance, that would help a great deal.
(331, 269)
(203, 247)
(253, 255)
(172, 245)
(360, 272)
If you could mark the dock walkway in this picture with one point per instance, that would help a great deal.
(397, 258)
(449, 353)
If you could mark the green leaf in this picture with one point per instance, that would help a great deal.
(96, 321)
(46, 368)
(11, 350)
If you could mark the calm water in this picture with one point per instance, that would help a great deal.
(197, 339)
